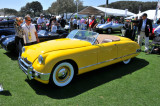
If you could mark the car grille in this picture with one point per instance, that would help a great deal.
(24, 64)
(26, 60)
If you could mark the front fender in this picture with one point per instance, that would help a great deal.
(50, 60)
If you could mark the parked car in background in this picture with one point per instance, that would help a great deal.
(109, 27)
(153, 34)
(58, 61)
(8, 23)
(6, 32)
(8, 42)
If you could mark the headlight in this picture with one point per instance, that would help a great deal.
(40, 59)
(23, 49)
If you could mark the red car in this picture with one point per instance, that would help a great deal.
(153, 35)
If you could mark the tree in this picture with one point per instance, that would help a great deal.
(65, 6)
(34, 8)
(54, 8)
(8, 11)
(132, 6)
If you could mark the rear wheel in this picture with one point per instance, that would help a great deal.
(62, 74)
(109, 31)
(127, 61)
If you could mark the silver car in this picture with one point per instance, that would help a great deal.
(109, 27)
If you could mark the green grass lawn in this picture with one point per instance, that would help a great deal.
(135, 84)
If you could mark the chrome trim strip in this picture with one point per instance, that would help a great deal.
(41, 73)
(106, 61)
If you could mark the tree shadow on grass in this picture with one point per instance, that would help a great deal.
(89, 80)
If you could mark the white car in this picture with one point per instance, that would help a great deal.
(109, 27)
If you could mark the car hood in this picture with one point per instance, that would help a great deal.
(32, 52)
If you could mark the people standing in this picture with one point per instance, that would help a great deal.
(75, 23)
(62, 22)
(20, 37)
(78, 23)
(50, 23)
(144, 30)
(71, 24)
(41, 22)
(83, 21)
(30, 31)
(102, 20)
(93, 24)
(89, 21)
(135, 28)
(54, 25)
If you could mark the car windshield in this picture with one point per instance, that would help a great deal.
(84, 35)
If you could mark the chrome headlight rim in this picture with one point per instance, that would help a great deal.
(23, 49)
(40, 59)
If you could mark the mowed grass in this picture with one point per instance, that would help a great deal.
(135, 84)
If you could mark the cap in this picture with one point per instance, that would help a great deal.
(41, 15)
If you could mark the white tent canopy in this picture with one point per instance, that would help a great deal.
(150, 13)
(92, 10)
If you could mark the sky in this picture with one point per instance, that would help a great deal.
(17, 4)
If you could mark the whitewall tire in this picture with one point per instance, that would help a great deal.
(127, 61)
(62, 74)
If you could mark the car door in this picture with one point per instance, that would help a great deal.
(107, 52)
(115, 26)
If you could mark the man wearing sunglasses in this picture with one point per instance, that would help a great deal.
(30, 32)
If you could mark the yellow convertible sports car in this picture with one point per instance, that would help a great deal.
(58, 61)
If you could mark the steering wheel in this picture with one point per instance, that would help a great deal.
(97, 42)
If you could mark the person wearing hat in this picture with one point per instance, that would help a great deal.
(40, 20)
(20, 36)
(144, 31)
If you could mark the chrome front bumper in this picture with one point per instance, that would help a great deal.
(31, 73)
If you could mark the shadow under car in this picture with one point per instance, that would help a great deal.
(88, 81)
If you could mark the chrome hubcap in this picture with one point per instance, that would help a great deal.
(109, 30)
(63, 74)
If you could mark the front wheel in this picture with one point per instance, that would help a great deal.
(127, 61)
(62, 74)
